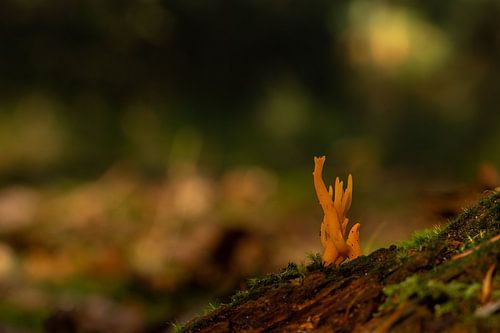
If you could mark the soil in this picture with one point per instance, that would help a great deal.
(435, 282)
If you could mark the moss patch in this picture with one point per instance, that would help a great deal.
(444, 297)
(419, 286)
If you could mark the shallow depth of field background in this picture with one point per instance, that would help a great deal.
(154, 154)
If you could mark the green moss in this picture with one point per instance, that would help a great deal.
(257, 285)
(474, 226)
(443, 297)
(239, 297)
(315, 261)
(485, 214)
(421, 238)
(472, 240)
(290, 271)
(177, 328)
(211, 307)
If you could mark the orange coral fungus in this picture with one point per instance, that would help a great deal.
(335, 205)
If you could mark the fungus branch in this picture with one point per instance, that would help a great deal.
(335, 203)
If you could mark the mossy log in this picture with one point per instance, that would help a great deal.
(442, 280)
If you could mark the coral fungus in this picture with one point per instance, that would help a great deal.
(335, 205)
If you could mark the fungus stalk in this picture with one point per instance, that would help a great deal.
(335, 203)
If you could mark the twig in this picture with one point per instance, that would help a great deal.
(475, 248)
(393, 318)
(486, 292)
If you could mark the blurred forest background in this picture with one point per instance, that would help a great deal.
(154, 154)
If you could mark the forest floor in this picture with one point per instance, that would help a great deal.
(441, 280)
